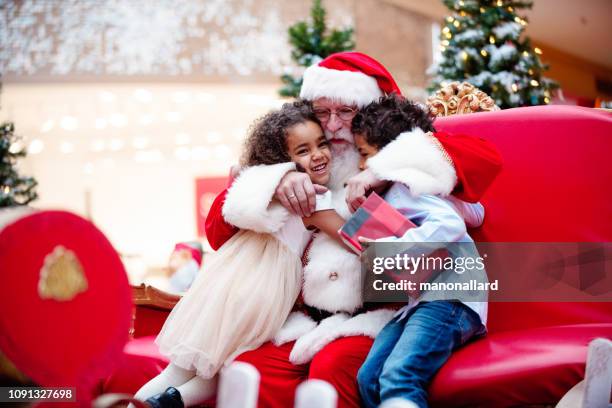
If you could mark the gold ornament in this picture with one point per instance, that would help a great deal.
(460, 98)
(62, 276)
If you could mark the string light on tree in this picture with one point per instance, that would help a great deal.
(488, 49)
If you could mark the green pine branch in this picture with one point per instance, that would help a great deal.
(482, 44)
(14, 189)
(312, 42)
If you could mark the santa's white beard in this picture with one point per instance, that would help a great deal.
(345, 159)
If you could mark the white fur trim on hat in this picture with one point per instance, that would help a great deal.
(296, 325)
(332, 277)
(336, 326)
(248, 204)
(351, 88)
(418, 161)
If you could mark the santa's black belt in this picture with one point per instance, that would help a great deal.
(319, 314)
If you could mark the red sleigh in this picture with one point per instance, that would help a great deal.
(554, 188)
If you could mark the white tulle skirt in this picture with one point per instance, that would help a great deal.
(240, 300)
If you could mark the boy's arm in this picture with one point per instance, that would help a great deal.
(472, 213)
(327, 221)
(437, 221)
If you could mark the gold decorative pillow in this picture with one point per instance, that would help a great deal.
(459, 98)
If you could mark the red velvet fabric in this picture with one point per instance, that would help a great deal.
(337, 363)
(554, 187)
(477, 163)
(217, 230)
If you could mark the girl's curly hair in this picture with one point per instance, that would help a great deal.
(267, 139)
(382, 121)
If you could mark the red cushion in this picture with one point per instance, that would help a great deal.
(142, 361)
(554, 185)
(512, 368)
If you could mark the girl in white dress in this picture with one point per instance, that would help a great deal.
(249, 286)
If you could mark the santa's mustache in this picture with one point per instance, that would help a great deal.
(342, 134)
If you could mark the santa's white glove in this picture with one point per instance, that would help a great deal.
(311, 343)
(296, 325)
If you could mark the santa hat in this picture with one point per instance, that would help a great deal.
(194, 247)
(352, 78)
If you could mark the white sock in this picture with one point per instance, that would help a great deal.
(171, 376)
(197, 390)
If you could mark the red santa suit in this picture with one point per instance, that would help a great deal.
(333, 348)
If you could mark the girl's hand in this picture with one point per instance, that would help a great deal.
(364, 239)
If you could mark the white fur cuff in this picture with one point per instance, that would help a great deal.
(296, 325)
(248, 204)
(416, 160)
(336, 326)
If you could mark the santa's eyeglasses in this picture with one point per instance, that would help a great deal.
(344, 113)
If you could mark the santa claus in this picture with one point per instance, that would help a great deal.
(329, 337)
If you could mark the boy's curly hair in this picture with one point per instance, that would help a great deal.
(267, 139)
(382, 121)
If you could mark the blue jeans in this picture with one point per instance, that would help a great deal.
(407, 353)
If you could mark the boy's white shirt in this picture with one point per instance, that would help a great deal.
(440, 220)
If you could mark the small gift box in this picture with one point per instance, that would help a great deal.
(378, 219)
(374, 219)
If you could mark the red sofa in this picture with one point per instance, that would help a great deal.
(554, 187)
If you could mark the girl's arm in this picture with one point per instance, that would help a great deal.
(327, 221)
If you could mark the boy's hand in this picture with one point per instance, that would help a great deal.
(297, 193)
(358, 186)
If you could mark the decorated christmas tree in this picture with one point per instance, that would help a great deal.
(14, 189)
(481, 43)
(311, 43)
